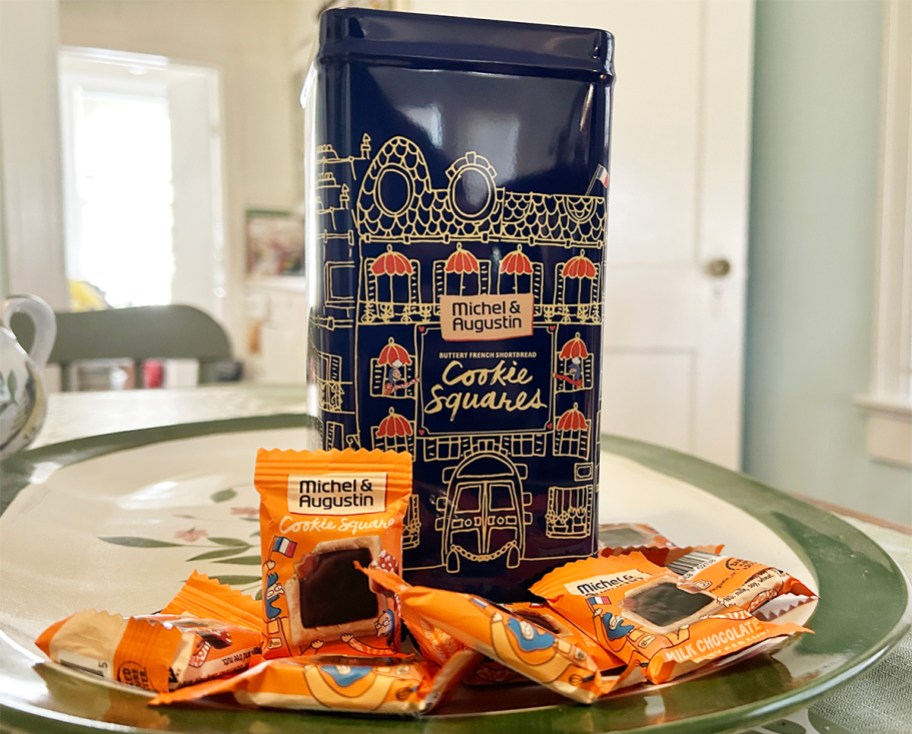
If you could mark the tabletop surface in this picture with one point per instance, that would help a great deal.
(878, 701)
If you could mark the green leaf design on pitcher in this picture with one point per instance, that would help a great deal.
(12, 385)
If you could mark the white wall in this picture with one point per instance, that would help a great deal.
(817, 99)
(31, 214)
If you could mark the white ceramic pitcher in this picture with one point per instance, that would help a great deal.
(23, 403)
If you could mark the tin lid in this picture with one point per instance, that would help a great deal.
(438, 41)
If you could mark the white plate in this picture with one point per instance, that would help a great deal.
(118, 523)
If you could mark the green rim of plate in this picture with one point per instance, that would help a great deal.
(864, 611)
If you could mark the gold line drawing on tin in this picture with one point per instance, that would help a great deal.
(461, 274)
(577, 292)
(391, 288)
(398, 203)
(448, 447)
(394, 433)
(392, 373)
(569, 513)
(487, 239)
(327, 156)
(483, 515)
(525, 276)
(331, 197)
(332, 433)
(331, 388)
(411, 524)
(336, 275)
(571, 434)
(576, 366)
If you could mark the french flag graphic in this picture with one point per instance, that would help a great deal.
(284, 546)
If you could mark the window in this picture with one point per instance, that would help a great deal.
(392, 381)
(527, 444)
(443, 448)
(569, 513)
(135, 130)
(889, 403)
(572, 442)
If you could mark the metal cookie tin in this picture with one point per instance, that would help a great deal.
(458, 177)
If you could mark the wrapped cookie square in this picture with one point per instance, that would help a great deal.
(321, 514)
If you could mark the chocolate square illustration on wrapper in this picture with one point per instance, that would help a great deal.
(328, 595)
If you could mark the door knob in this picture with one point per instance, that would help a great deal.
(718, 267)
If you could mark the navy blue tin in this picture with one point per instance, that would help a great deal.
(458, 176)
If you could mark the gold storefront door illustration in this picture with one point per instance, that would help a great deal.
(483, 518)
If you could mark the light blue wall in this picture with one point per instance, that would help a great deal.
(812, 226)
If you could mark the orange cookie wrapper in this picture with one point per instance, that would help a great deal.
(737, 582)
(368, 684)
(650, 617)
(208, 630)
(544, 616)
(434, 644)
(201, 596)
(507, 638)
(490, 672)
(320, 513)
(621, 538)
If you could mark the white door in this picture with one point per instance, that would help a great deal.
(677, 233)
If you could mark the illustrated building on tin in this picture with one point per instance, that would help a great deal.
(393, 245)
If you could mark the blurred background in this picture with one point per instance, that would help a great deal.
(759, 288)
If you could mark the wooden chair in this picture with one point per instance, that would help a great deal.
(137, 333)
